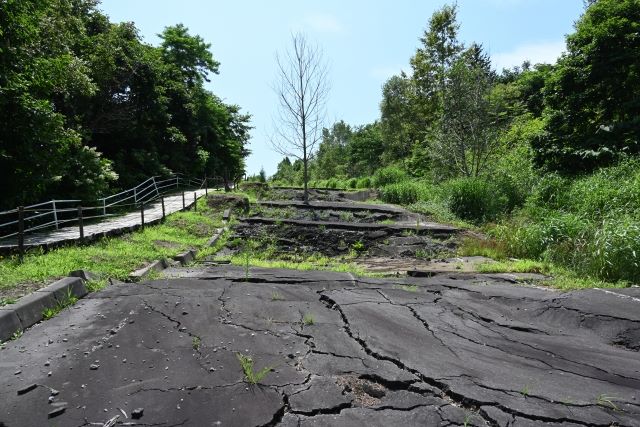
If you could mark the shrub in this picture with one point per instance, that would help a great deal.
(332, 183)
(402, 193)
(614, 251)
(364, 183)
(352, 183)
(389, 175)
(550, 192)
(474, 199)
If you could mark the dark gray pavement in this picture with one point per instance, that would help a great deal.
(445, 350)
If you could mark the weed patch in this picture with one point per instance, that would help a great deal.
(251, 376)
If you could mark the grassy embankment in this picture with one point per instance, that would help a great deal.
(112, 257)
(584, 231)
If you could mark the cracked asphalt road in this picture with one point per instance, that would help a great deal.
(445, 350)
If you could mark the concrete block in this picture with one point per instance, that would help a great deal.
(63, 287)
(29, 308)
(9, 323)
(84, 275)
(158, 265)
(186, 257)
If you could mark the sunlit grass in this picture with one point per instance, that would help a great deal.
(114, 257)
(559, 278)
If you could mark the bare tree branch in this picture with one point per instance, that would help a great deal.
(302, 88)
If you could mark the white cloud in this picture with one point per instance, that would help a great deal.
(324, 23)
(543, 52)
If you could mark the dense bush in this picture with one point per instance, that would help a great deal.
(474, 199)
(364, 183)
(352, 183)
(389, 175)
(402, 193)
(590, 225)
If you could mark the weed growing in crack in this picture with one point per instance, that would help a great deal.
(276, 296)
(346, 216)
(409, 288)
(358, 246)
(196, 342)
(68, 300)
(467, 420)
(525, 390)
(607, 402)
(422, 253)
(252, 377)
(307, 319)
(17, 334)
(96, 285)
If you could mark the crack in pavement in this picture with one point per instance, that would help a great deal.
(463, 401)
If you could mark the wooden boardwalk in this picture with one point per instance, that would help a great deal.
(109, 226)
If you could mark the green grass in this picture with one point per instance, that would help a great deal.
(308, 320)
(306, 264)
(560, 278)
(195, 343)
(408, 288)
(251, 376)
(68, 300)
(7, 301)
(114, 257)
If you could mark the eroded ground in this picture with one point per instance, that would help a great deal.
(448, 346)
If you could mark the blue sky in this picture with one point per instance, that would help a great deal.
(365, 42)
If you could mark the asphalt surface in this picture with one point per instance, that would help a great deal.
(444, 350)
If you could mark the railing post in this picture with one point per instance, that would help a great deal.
(104, 207)
(206, 186)
(142, 214)
(55, 213)
(135, 195)
(183, 205)
(162, 200)
(80, 223)
(195, 202)
(21, 233)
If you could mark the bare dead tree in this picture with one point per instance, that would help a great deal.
(302, 88)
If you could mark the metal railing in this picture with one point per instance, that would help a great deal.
(55, 214)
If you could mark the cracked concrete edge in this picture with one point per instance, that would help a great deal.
(157, 265)
(28, 310)
(182, 259)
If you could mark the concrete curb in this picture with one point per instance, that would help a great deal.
(212, 241)
(158, 265)
(186, 257)
(27, 311)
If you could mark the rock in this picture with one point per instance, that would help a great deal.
(94, 366)
(27, 389)
(57, 411)
(137, 413)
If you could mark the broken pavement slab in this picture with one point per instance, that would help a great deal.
(449, 349)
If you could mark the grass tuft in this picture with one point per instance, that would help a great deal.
(251, 376)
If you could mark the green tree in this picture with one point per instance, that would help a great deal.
(592, 98)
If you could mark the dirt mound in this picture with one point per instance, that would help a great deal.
(233, 201)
